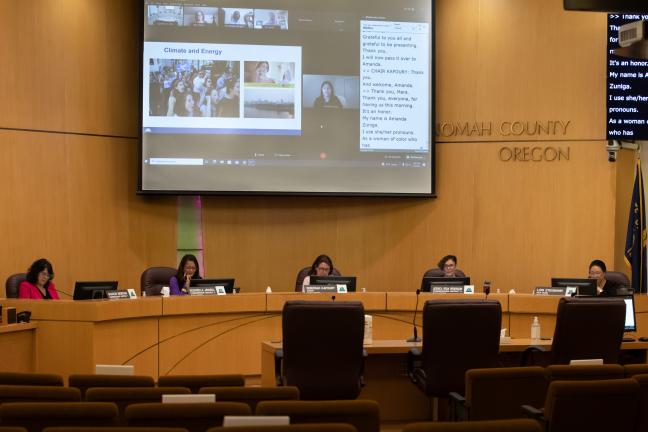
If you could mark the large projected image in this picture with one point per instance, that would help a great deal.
(292, 96)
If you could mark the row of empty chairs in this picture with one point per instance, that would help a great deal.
(363, 415)
(518, 386)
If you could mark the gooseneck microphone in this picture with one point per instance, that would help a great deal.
(415, 337)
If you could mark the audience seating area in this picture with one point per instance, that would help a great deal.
(556, 398)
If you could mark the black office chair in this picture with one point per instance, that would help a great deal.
(437, 272)
(458, 335)
(588, 328)
(12, 284)
(322, 349)
(154, 278)
(301, 275)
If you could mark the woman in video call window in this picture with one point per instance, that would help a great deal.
(199, 19)
(261, 73)
(327, 98)
(38, 284)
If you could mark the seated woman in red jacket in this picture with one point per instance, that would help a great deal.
(39, 285)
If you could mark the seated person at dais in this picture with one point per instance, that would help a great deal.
(187, 270)
(448, 265)
(604, 287)
(39, 285)
(322, 266)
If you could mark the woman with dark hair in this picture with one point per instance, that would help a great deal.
(176, 100)
(327, 98)
(39, 285)
(322, 266)
(604, 287)
(449, 266)
(187, 270)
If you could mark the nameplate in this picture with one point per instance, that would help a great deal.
(207, 291)
(550, 291)
(321, 289)
(117, 295)
(453, 289)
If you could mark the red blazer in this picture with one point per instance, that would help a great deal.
(29, 291)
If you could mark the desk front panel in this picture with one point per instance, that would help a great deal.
(18, 348)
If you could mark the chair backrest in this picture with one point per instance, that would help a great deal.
(304, 427)
(642, 421)
(35, 416)
(301, 275)
(362, 414)
(28, 378)
(125, 396)
(196, 382)
(518, 425)
(20, 393)
(437, 272)
(514, 387)
(154, 278)
(109, 429)
(618, 278)
(195, 417)
(588, 328)
(635, 369)
(584, 372)
(252, 395)
(458, 335)
(322, 348)
(599, 405)
(85, 381)
(12, 284)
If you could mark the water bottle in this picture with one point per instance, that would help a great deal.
(535, 329)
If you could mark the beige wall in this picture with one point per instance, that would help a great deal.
(70, 71)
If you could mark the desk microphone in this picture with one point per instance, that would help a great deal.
(332, 298)
(415, 338)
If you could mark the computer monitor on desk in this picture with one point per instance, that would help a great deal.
(349, 281)
(90, 290)
(428, 282)
(226, 283)
(584, 287)
(630, 322)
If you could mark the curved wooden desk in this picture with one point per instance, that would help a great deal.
(223, 334)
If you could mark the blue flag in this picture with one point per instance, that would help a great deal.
(635, 248)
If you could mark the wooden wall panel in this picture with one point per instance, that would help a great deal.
(72, 199)
(507, 60)
(70, 65)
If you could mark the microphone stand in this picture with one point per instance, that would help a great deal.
(415, 337)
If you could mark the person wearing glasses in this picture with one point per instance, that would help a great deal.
(188, 269)
(449, 266)
(38, 284)
(604, 287)
(322, 266)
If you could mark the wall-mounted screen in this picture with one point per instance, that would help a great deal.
(288, 96)
(627, 87)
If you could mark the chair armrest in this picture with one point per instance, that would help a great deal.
(532, 412)
(458, 409)
(361, 381)
(414, 362)
(278, 374)
(527, 355)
